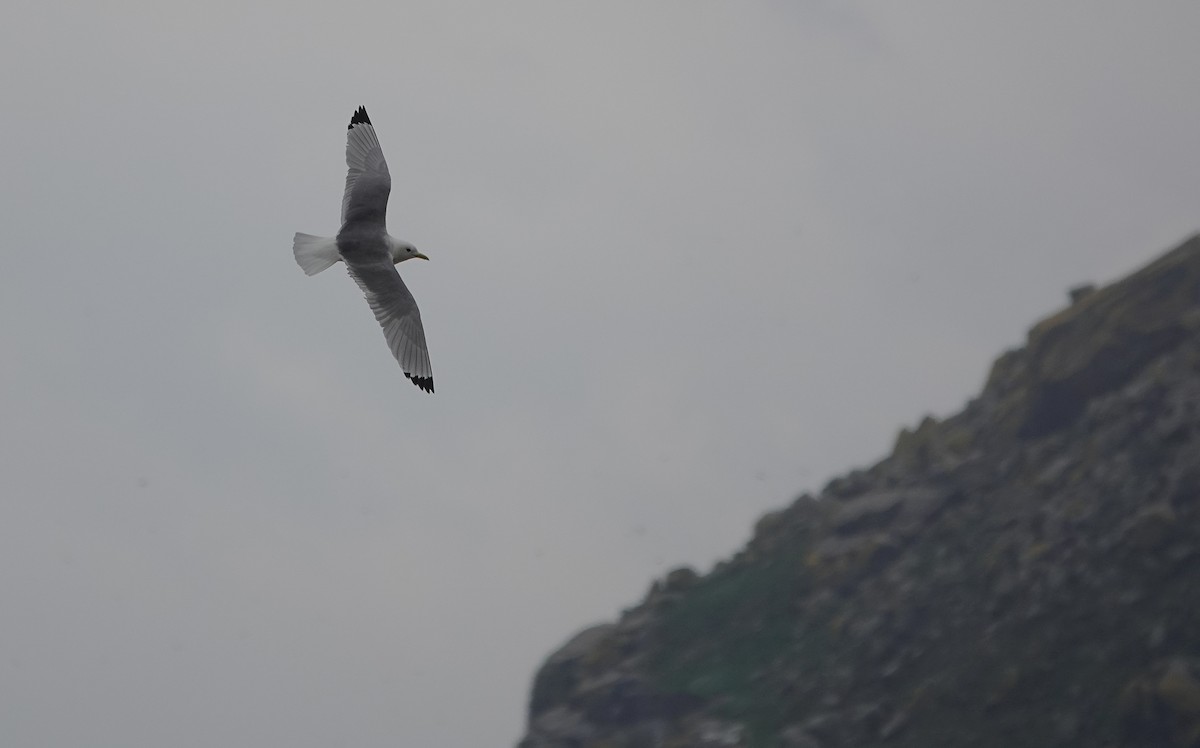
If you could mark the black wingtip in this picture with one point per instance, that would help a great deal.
(360, 117)
(425, 383)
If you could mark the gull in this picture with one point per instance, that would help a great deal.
(371, 253)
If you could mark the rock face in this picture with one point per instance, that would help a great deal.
(1026, 572)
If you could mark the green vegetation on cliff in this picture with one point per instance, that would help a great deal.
(1025, 572)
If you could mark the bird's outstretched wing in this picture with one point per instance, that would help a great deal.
(396, 310)
(368, 182)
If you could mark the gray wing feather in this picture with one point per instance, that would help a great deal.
(368, 182)
(396, 310)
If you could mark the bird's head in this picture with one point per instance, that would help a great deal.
(402, 251)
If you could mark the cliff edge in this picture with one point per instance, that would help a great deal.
(1025, 572)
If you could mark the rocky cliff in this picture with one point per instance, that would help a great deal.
(1026, 572)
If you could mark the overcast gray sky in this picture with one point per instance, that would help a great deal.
(689, 259)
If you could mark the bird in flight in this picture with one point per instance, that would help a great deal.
(371, 253)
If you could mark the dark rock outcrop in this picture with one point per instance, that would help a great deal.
(1025, 572)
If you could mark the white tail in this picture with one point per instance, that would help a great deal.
(315, 253)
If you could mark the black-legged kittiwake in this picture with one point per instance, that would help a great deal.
(371, 253)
